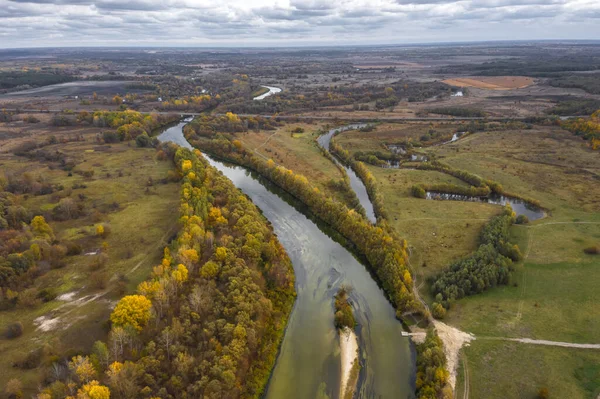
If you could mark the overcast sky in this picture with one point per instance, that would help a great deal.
(41, 23)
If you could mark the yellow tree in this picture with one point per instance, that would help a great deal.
(93, 390)
(83, 368)
(133, 310)
(41, 229)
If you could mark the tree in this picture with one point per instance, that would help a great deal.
(133, 310)
(83, 368)
(93, 390)
(41, 229)
(14, 388)
(543, 393)
(117, 100)
(100, 230)
(438, 311)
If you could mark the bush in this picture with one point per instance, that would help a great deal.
(46, 295)
(14, 330)
(31, 119)
(110, 137)
(418, 192)
(522, 219)
(143, 140)
(543, 393)
(592, 250)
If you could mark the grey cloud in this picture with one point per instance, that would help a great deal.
(160, 22)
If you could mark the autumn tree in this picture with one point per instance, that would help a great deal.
(133, 310)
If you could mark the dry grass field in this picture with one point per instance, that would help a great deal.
(492, 82)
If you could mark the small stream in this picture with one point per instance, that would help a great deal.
(355, 182)
(309, 360)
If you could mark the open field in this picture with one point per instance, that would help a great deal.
(393, 133)
(438, 231)
(298, 152)
(500, 369)
(552, 294)
(492, 82)
(119, 196)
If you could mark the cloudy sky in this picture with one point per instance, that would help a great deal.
(41, 23)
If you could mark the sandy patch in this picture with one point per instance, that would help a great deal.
(492, 82)
(67, 297)
(349, 354)
(453, 340)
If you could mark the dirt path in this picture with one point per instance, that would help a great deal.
(467, 386)
(552, 343)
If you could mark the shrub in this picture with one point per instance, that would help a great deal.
(419, 192)
(543, 393)
(14, 330)
(522, 219)
(592, 250)
(46, 295)
(110, 137)
(14, 388)
(143, 140)
(31, 119)
(438, 311)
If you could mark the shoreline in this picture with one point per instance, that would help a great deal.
(348, 357)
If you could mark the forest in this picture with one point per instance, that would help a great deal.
(209, 320)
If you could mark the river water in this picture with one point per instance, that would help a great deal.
(355, 182)
(272, 90)
(308, 364)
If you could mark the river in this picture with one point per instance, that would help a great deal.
(272, 90)
(355, 182)
(309, 361)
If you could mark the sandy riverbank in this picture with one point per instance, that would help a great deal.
(453, 340)
(349, 355)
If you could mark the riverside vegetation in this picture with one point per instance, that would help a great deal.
(209, 320)
(385, 254)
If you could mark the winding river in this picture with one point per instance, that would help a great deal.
(272, 90)
(355, 182)
(308, 365)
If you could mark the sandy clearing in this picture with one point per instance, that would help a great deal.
(492, 82)
(453, 340)
(349, 354)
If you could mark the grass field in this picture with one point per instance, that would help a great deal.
(437, 231)
(553, 292)
(298, 152)
(500, 369)
(390, 133)
(141, 219)
(492, 82)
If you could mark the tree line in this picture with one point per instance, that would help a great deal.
(432, 374)
(588, 128)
